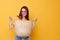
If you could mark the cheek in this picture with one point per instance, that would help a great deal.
(24, 13)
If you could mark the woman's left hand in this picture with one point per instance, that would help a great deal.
(35, 19)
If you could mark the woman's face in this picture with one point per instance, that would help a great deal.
(24, 12)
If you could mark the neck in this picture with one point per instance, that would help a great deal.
(24, 18)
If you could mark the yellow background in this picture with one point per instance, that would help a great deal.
(46, 11)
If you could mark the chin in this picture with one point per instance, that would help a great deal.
(24, 15)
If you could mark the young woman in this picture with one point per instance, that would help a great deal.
(23, 26)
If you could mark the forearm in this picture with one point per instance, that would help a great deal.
(34, 21)
(10, 24)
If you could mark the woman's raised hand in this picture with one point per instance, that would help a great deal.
(10, 22)
(35, 19)
(10, 18)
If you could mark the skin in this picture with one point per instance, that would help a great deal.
(24, 13)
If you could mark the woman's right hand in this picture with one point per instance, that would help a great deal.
(10, 18)
(10, 22)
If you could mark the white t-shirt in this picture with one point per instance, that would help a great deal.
(23, 28)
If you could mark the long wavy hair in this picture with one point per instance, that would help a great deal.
(20, 16)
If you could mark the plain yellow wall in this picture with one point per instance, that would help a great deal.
(46, 11)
